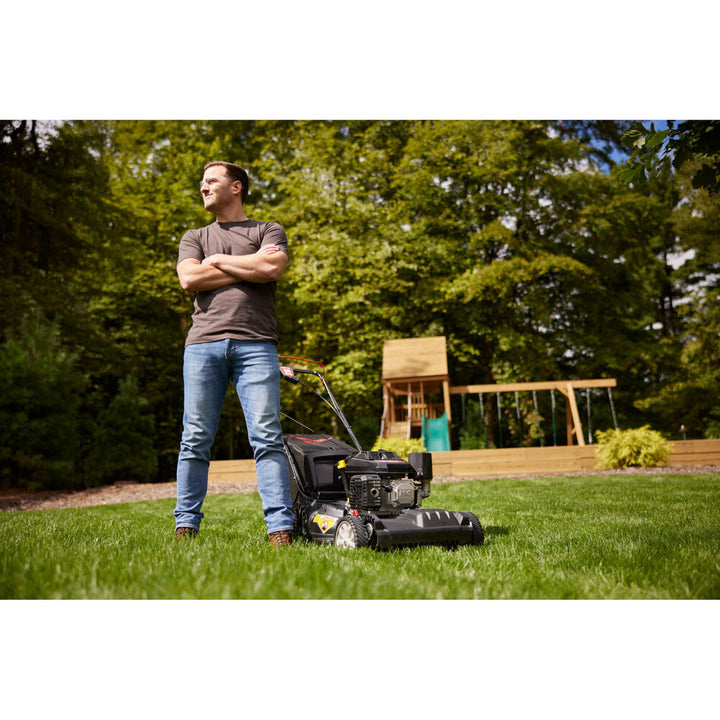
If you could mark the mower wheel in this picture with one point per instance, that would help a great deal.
(351, 533)
(300, 521)
(478, 536)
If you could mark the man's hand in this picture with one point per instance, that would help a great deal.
(195, 276)
(269, 250)
(212, 259)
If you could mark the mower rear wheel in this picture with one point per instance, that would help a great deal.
(301, 528)
(351, 533)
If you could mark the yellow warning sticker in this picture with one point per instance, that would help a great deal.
(324, 522)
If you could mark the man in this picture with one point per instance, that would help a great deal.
(233, 266)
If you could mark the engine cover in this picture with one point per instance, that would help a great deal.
(365, 492)
(385, 496)
(401, 494)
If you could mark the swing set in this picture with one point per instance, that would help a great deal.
(416, 395)
(566, 388)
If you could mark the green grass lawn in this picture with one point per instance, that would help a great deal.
(611, 536)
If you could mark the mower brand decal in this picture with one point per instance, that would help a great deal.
(324, 522)
(312, 441)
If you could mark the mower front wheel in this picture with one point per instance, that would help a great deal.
(478, 536)
(351, 533)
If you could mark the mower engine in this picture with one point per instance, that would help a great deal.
(383, 483)
(370, 492)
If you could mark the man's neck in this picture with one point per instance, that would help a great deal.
(231, 217)
(231, 212)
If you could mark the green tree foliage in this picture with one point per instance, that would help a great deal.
(688, 393)
(52, 209)
(134, 304)
(657, 151)
(348, 279)
(40, 429)
(122, 439)
(472, 431)
(504, 236)
(518, 240)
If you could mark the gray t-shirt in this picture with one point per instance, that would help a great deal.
(244, 310)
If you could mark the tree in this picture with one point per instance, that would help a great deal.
(347, 284)
(504, 236)
(538, 262)
(53, 205)
(688, 394)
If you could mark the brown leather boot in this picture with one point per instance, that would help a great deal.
(280, 538)
(185, 532)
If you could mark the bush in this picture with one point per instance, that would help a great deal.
(712, 429)
(401, 446)
(473, 435)
(39, 409)
(640, 447)
(122, 441)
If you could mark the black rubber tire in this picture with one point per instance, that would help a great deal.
(301, 529)
(351, 533)
(478, 535)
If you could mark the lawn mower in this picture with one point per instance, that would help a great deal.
(354, 498)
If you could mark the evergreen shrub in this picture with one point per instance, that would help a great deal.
(40, 403)
(122, 441)
(640, 447)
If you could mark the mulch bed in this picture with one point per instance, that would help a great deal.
(120, 492)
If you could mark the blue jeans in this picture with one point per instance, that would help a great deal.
(253, 369)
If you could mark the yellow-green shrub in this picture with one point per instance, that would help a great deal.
(401, 446)
(641, 447)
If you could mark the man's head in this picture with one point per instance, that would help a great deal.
(226, 174)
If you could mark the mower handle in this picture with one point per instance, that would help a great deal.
(289, 374)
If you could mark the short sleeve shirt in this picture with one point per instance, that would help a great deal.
(243, 310)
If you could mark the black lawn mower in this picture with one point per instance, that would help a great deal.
(361, 498)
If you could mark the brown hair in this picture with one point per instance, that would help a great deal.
(235, 173)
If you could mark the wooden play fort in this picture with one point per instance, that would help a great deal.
(416, 392)
(416, 389)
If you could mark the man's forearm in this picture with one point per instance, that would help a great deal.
(196, 277)
(266, 265)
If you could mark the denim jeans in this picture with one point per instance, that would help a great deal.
(253, 368)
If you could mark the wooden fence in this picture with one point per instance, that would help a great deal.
(510, 461)
(232, 470)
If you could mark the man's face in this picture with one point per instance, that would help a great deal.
(217, 189)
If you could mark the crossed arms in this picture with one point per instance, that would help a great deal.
(215, 271)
